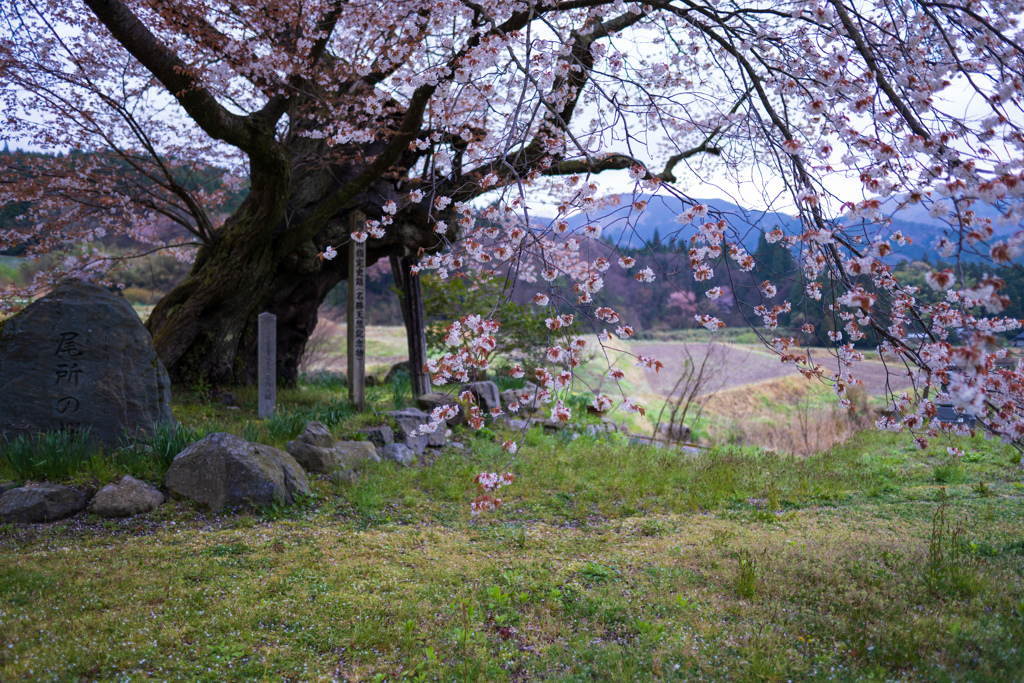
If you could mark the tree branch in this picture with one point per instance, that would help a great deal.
(249, 134)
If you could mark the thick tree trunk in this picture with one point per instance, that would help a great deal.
(207, 326)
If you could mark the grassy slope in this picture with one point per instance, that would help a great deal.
(606, 563)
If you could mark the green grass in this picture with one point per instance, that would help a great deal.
(606, 562)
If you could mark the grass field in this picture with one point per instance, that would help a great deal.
(607, 562)
(864, 559)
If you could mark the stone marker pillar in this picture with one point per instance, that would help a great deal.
(357, 315)
(267, 364)
(414, 318)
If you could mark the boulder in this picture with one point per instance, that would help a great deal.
(403, 366)
(674, 432)
(80, 358)
(349, 477)
(224, 469)
(314, 449)
(525, 397)
(380, 436)
(406, 421)
(436, 399)
(126, 498)
(486, 393)
(401, 454)
(351, 453)
(228, 400)
(40, 503)
(7, 486)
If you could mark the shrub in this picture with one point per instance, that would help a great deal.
(522, 332)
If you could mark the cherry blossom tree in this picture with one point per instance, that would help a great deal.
(443, 120)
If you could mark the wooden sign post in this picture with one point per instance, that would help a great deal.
(266, 364)
(357, 315)
(415, 321)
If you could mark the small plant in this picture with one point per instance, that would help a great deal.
(650, 632)
(598, 573)
(684, 602)
(948, 473)
(982, 489)
(746, 578)
(167, 440)
(286, 426)
(400, 389)
(49, 455)
(951, 568)
(324, 379)
(331, 414)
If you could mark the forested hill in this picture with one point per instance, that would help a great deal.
(656, 224)
(14, 163)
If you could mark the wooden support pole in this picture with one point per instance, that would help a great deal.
(357, 315)
(415, 321)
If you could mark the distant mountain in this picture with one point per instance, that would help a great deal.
(624, 227)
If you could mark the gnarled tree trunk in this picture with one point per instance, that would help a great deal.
(207, 325)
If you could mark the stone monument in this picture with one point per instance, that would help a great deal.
(80, 358)
(266, 365)
(357, 316)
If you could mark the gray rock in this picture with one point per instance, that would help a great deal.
(40, 503)
(224, 469)
(379, 436)
(525, 397)
(436, 399)
(406, 421)
(349, 477)
(80, 358)
(401, 454)
(371, 380)
(402, 366)
(486, 393)
(7, 486)
(517, 425)
(314, 449)
(126, 498)
(228, 399)
(674, 433)
(352, 453)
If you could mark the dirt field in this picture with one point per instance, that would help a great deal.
(733, 366)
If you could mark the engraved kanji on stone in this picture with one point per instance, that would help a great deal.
(67, 404)
(67, 345)
(68, 373)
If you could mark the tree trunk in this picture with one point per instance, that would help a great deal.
(207, 326)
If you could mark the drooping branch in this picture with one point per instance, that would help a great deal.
(250, 134)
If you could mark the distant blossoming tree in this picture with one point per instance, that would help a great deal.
(413, 112)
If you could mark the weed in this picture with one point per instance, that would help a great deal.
(400, 389)
(597, 573)
(49, 455)
(324, 379)
(949, 473)
(746, 576)
(167, 440)
(950, 569)
(653, 528)
(283, 427)
(331, 414)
